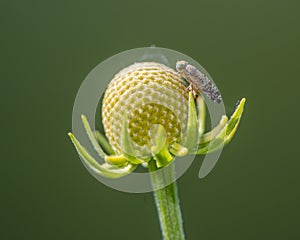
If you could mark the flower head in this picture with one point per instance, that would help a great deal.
(149, 113)
(148, 94)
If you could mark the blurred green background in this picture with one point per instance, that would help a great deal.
(251, 48)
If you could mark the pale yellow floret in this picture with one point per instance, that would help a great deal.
(148, 93)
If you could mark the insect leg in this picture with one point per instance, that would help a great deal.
(194, 91)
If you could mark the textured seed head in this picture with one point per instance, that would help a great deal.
(148, 93)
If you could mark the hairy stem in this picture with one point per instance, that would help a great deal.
(167, 202)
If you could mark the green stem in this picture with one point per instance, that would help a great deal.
(167, 202)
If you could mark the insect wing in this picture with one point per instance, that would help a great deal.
(203, 83)
(211, 90)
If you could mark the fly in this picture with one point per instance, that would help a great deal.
(198, 81)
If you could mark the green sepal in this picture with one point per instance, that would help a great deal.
(160, 151)
(118, 160)
(163, 157)
(192, 133)
(92, 138)
(126, 146)
(235, 120)
(105, 170)
(178, 150)
(215, 139)
(104, 143)
(211, 135)
(201, 114)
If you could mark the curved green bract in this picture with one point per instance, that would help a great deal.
(105, 169)
(177, 150)
(160, 151)
(126, 146)
(92, 138)
(201, 115)
(104, 143)
(222, 134)
(192, 132)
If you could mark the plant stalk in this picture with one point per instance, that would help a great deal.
(167, 202)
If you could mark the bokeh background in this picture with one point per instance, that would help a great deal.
(251, 48)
